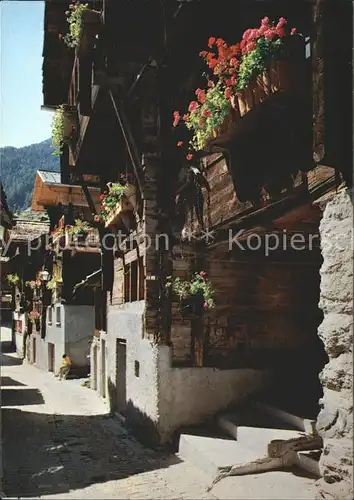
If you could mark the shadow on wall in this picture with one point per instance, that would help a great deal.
(46, 454)
(143, 427)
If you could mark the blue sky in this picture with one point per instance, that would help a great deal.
(21, 120)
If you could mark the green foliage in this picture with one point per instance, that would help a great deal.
(198, 284)
(208, 117)
(12, 279)
(109, 200)
(18, 172)
(255, 62)
(75, 21)
(53, 283)
(81, 227)
(33, 284)
(58, 128)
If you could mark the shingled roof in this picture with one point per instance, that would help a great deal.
(28, 230)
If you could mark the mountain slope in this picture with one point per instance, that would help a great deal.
(18, 171)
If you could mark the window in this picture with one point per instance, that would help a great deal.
(58, 316)
(134, 281)
(136, 368)
(50, 315)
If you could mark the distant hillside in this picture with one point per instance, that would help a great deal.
(18, 171)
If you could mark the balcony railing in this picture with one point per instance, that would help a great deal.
(87, 242)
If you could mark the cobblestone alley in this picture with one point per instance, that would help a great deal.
(59, 442)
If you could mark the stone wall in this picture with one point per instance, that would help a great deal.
(335, 421)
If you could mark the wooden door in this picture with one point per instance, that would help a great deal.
(51, 357)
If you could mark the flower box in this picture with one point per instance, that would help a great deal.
(123, 205)
(91, 20)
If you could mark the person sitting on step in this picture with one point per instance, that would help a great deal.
(65, 367)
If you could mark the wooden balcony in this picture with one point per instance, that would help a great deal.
(88, 242)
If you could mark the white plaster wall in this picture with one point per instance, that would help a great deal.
(126, 322)
(72, 335)
(94, 364)
(189, 395)
(41, 351)
(19, 337)
(55, 334)
(167, 397)
(79, 324)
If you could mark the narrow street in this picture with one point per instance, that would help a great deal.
(59, 442)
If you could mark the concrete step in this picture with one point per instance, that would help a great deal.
(208, 453)
(254, 438)
(302, 424)
(309, 461)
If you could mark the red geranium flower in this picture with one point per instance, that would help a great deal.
(206, 305)
(228, 93)
(269, 34)
(185, 117)
(60, 36)
(102, 197)
(176, 118)
(280, 32)
(189, 156)
(179, 143)
(202, 273)
(293, 31)
(193, 106)
(211, 41)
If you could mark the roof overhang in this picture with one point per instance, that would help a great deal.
(47, 193)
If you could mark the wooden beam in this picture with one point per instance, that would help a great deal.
(87, 193)
(130, 142)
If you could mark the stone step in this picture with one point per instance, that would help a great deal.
(309, 461)
(208, 453)
(254, 438)
(302, 424)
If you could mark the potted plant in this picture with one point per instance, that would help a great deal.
(80, 230)
(12, 279)
(63, 124)
(34, 317)
(195, 295)
(83, 26)
(114, 202)
(53, 283)
(33, 284)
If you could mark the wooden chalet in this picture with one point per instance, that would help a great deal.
(72, 253)
(263, 180)
(26, 255)
(6, 223)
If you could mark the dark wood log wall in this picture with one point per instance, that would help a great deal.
(264, 306)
